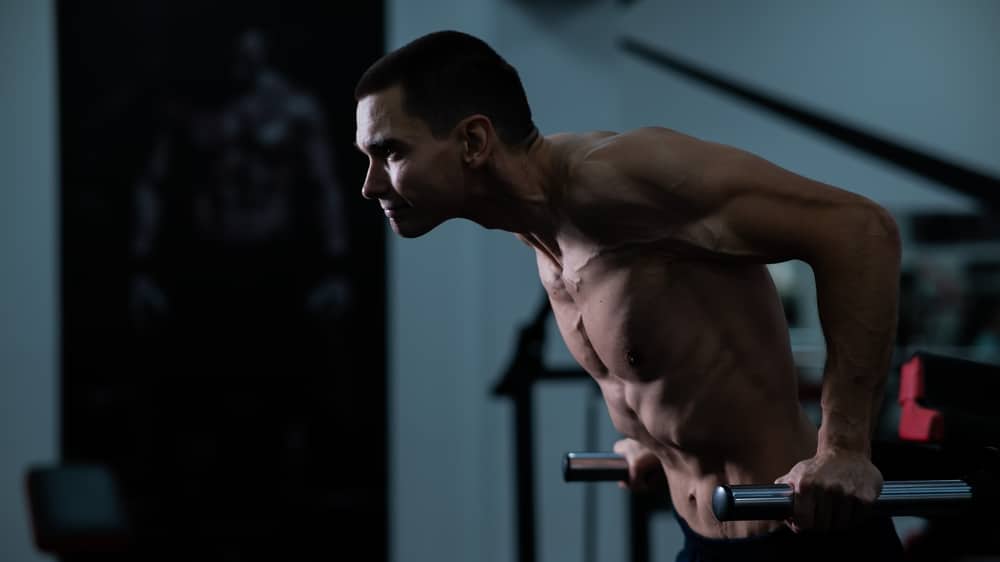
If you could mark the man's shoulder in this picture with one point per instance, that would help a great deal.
(600, 170)
(573, 147)
(630, 147)
(640, 177)
(629, 154)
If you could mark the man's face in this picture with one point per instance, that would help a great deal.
(416, 178)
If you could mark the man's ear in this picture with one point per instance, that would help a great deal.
(478, 136)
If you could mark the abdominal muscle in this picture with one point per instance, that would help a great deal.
(698, 369)
(748, 441)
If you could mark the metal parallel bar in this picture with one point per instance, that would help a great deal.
(907, 497)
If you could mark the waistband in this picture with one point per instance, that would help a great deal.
(778, 539)
(875, 536)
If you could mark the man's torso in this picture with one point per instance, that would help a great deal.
(692, 354)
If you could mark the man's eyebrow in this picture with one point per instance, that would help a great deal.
(379, 145)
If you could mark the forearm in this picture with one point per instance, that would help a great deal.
(857, 291)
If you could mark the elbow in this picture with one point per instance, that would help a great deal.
(876, 235)
(882, 227)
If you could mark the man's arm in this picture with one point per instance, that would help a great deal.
(738, 206)
(853, 247)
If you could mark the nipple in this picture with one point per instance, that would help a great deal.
(632, 358)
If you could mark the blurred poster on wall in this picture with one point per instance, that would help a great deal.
(223, 288)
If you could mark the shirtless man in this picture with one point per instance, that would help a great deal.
(652, 246)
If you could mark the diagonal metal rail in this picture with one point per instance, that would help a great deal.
(951, 175)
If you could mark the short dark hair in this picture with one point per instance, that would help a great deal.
(446, 76)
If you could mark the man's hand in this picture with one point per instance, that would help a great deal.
(644, 468)
(834, 490)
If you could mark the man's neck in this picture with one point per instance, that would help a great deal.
(516, 193)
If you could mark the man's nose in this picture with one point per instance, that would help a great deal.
(376, 183)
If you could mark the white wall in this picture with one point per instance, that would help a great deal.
(920, 71)
(28, 311)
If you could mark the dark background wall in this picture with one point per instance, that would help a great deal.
(222, 295)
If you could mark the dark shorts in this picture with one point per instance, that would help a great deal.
(875, 540)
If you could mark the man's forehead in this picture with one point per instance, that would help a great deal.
(371, 121)
(380, 104)
(378, 108)
(381, 118)
(370, 134)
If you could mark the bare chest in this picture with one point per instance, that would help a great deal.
(661, 335)
(621, 313)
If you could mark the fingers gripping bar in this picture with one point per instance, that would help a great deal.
(920, 498)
